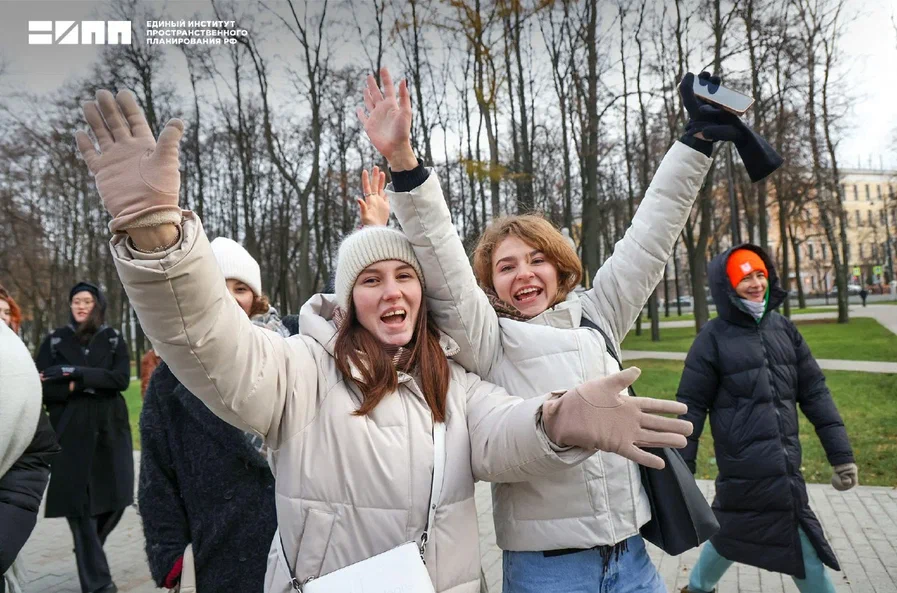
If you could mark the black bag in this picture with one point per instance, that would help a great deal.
(681, 519)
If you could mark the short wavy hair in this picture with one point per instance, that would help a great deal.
(535, 230)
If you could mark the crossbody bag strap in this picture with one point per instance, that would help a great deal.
(436, 486)
(435, 495)
(585, 322)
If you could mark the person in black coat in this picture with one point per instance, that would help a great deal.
(750, 369)
(202, 481)
(84, 368)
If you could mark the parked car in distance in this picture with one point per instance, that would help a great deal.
(851, 289)
(683, 300)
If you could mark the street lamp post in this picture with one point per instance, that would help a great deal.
(888, 234)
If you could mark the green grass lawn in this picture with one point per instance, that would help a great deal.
(861, 339)
(866, 402)
(135, 404)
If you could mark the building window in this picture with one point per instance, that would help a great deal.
(861, 251)
(856, 193)
(879, 191)
(870, 218)
(810, 250)
(881, 217)
(874, 251)
(859, 220)
(824, 254)
(868, 194)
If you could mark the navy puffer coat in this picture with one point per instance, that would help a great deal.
(751, 377)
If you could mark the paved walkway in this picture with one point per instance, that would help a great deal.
(861, 526)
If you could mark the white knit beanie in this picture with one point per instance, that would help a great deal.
(365, 247)
(236, 263)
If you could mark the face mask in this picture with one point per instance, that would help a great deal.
(756, 309)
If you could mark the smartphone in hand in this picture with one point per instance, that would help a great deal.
(732, 101)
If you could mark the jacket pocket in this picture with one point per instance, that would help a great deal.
(313, 543)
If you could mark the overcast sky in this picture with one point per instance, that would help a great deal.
(870, 46)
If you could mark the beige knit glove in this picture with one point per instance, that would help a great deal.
(138, 179)
(845, 476)
(596, 415)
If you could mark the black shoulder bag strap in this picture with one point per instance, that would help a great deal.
(608, 342)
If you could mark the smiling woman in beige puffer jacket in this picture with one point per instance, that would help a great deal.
(347, 408)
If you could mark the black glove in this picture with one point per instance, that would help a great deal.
(716, 124)
(693, 106)
(61, 373)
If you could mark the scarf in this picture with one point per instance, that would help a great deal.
(503, 309)
(756, 309)
(271, 321)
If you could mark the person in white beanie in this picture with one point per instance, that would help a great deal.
(244, 281)
(351, 408)
(208, 458)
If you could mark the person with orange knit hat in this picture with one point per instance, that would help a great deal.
(750, 369)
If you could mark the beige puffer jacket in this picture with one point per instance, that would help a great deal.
(602, 501)
(348, 487)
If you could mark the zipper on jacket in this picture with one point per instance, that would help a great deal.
(776, 400)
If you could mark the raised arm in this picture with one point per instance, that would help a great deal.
(244, 374)
(623, 284)
(459, 306)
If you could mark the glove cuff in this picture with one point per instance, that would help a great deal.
(152, 216)
(705, 147)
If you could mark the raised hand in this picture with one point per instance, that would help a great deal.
(137, 178)
(374, 206)
(386, 118)
(596, 416)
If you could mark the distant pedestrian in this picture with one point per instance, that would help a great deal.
(750, 369)
(863, 294)
(84, 367)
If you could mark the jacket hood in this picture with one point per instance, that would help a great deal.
(728, 303)
(316, 321)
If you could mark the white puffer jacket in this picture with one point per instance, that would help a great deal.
(21, 398)
(347, 487)
(602, 501)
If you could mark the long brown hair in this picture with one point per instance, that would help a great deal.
(355, 346)
(541, 234)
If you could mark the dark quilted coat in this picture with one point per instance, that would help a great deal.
(202, 481)
(751, 378)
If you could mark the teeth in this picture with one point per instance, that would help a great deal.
(527, 291)
(394, 313)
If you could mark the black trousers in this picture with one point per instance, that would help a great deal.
(90, 534)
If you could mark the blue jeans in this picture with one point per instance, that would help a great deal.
(711, 567)
(582, 572)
